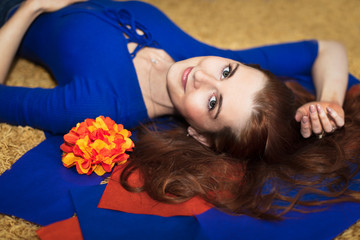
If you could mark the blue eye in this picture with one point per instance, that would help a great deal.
(212, 102)
(226, 72)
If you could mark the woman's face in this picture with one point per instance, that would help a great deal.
(213, 92)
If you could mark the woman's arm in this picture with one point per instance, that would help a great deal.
(13, 31)
(330, 72)
(330, 76)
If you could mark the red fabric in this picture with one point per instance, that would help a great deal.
(354, 91)
(115, 197)
(68, 229)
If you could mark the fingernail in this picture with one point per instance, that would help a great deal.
(305, 119)
(312, 109)
(318, 107)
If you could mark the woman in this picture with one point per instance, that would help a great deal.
(133, 64)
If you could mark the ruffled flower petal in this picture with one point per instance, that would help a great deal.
(71, 138)
(99, 170)
(96, 146)
(66, 147)
(80, 169)
(70, 159)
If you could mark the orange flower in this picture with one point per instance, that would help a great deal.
(96, 146)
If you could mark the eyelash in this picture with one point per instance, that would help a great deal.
(213, 107)
(230, 70)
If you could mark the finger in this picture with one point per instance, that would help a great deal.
(324, 119)
(299, 114)
(315, 122)
(338, 119)
(305, 127)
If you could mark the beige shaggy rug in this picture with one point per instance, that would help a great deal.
(231, 24)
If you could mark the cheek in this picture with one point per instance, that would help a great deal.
(195, 109)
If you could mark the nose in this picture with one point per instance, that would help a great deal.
(201, 78)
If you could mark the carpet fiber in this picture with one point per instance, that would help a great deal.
(234, 24)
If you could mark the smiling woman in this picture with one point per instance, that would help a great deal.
(237, 127)
(213, 92)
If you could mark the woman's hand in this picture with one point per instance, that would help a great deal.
(319, 117)
(51, 5)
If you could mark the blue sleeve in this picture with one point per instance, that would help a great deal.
(292, 60)
(287, 59)
(57, 110)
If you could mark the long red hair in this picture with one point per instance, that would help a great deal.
(264, 172)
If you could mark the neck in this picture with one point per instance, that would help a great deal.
(160, 103)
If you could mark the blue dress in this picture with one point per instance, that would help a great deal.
(84, 48)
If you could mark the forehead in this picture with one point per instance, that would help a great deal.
(238, 96)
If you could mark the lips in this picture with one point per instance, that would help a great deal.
(185, 77)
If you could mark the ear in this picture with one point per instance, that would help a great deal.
(198, 136)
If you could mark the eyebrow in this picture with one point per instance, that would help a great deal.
(221, 98)
(233, 71)
(219, 108)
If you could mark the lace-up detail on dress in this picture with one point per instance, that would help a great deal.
(129, 27)
(125, 22)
